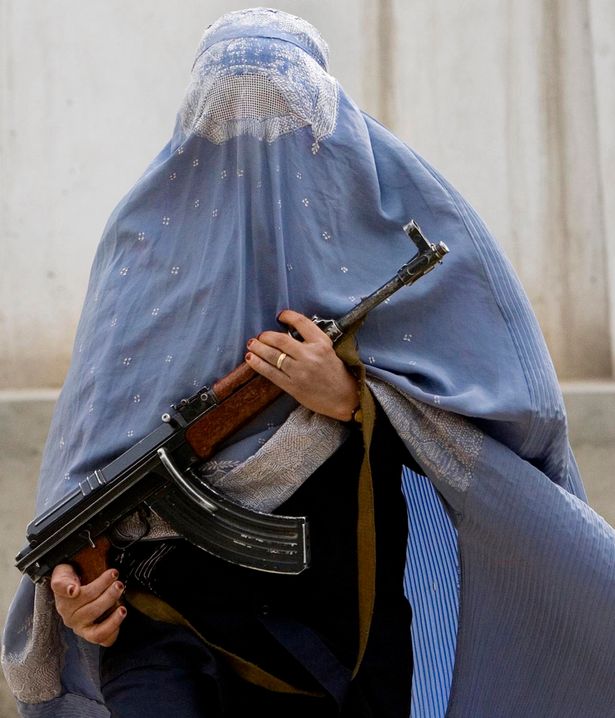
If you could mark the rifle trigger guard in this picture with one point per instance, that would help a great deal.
(183, 484)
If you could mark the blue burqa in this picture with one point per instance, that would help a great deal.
(277, 191)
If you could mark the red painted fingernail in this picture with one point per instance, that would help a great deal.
(248, 356)
(114, 574)
(71, 590)
(122, 611)
(119, 586)
(250, 342)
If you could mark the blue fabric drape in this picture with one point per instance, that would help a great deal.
(277, 191)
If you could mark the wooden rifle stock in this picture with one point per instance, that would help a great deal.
(242, 394)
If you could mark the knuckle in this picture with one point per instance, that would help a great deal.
(96, 634)
(265, 337)
(57, 583)
(261, 365)
(109, 641)
(66, 621)
(301, 376)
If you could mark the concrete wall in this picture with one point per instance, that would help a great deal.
(512, 100)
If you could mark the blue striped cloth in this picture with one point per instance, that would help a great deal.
(431, 585)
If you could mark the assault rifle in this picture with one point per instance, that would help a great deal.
(159, 472)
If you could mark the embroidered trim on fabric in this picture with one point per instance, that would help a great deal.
(445, 444)
(33, 674)
(262, 21)
(271, 475)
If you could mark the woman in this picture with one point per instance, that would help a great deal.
(277, 192)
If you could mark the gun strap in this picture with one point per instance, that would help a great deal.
(160, 610)
(366, 528)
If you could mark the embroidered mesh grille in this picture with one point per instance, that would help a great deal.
(248, 104)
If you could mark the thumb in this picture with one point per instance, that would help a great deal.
(65, 581)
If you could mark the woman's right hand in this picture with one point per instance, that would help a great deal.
(81, 606)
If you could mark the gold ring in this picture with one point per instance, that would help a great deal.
(280, 360)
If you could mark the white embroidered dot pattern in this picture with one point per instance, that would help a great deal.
(141, 236)
(407, 337)
(223, 174)
(289, 267)
(136, 398)
(180, 150)
(126, 361)
(239, 172)
(214, 212)
(299, 175)
(155, 311)
(195, 162)
(326, 235)
(306, 202)
(169, 358)
(344, 269)
(123, 271)
(197, 202)
(175, 270)
(114, 321)
(371, 359)
(173, 176)
(166, 221)
(130, 433)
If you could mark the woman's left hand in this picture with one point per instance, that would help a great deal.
(310, 371)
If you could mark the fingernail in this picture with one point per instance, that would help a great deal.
(114, 574)
(71, 590)
(250, 342)
(119, 586)
(248, 356)
(122, 611)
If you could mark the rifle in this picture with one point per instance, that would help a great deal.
(158, 472)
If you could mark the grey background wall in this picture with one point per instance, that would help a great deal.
(510, 99)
